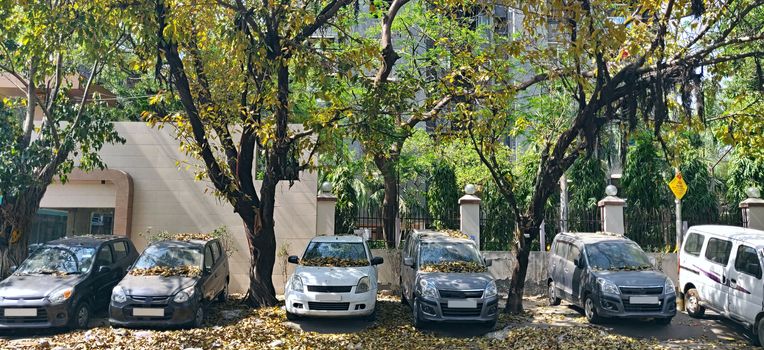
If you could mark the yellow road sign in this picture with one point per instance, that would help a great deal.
(678, 186)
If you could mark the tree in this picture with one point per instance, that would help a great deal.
(44, 47)
(243, 71)
(612, 63)
(443, 195)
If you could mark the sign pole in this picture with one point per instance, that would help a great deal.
(679, 232)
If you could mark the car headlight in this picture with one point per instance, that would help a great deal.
(490, 290)
(184, 295)
(60, 295)
(428, 290)
(363, 285)
(608, 287)
(118, 294)
(668, 287)
(296, 284)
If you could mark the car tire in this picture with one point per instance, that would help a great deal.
(418, 321)
(198, 317)
(223, 296)
(758, 336)
(403, 293)
(292, 317)
(590, 311)
(692, 304)
(81, 317)
(663, 321)
(552, 294)
(371, 317)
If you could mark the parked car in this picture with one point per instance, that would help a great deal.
(64, 281)
(171, 284)
(609, 276)
(337, 276)
(720, 269)
(445, 279)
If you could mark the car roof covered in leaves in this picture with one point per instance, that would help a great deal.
(83, 241)
(593, 237)
(192, 243)
(338, 238)
(437, 236)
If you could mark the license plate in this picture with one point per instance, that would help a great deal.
(462, 304)
(148, 312)
(644, 300)
(20, 312)
(328, 297)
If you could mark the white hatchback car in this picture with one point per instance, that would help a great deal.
(337, 276)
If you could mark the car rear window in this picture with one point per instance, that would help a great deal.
(718, 251)
(693, 244)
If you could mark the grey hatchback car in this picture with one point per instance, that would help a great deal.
(171, 284)
(64, 281)
(447, 295)
(609, 276)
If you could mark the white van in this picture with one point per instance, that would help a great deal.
(720, 268)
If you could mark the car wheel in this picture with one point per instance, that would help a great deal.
(223, 296)
(590, 310)
(418, 321)
(403, 296)
(198, 317)
(292, 317)
(758, 338)
(664, 321)
(371, 317)
(81, 316)
(692, 304)
(552, 294)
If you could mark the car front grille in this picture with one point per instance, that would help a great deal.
(330, 289)
(641, 290)
(150, 299)
(460, 294)
(642, 307)
(328, 306)
(42, 316)
(460, 312)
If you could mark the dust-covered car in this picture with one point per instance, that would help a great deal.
(64, 281)
(445, 279)
(171, 284)
(337, 276)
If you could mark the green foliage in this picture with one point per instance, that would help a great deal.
(346, 210)
(699, 205)
(644, 178)
(586, 184)
(443, 196)
(498, 227)
(744, 172)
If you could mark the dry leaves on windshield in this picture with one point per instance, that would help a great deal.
(454, 267)
(334, 262)
(164, 271)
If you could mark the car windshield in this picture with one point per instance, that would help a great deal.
(433, 253)
(335, 254)
(170, 256)
(58, 260)
(617, 256)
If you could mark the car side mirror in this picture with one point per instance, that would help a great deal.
(408, 262)
(377, 260)
(579, 262)
(104, 269)
(293, 259)
(488, 262)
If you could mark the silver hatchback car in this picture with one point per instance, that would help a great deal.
(445, 279)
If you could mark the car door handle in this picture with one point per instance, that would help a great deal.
(733, 281)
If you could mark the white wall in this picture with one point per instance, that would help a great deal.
(167, 197)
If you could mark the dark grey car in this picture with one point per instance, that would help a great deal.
(149, 296)
(609, 276)
(63, 281)
(446, 297)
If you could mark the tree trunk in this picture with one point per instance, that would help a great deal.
(390, 202)
(261, 236)
(15, 216)
(522, 251)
